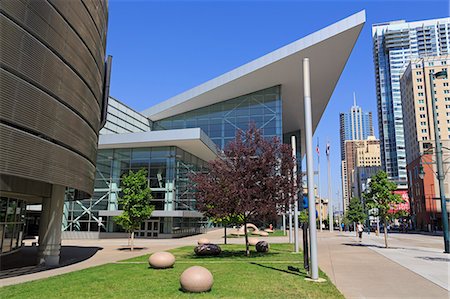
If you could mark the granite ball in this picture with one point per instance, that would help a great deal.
(262, 246)
(207, 250)
(161, 260)
(196, 279)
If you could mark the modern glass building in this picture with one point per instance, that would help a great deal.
(354, 125)
(190, 129)
(394, 45)
(54, 84)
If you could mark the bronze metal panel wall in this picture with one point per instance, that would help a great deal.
(52, 66)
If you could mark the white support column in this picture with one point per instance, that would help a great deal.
(295, 195)
(290, 223)
(50, 227)
(310, 171)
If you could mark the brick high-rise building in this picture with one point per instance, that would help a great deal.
(419, 133)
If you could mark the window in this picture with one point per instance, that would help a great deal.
(420, 94)
(419, 87)
(421, 108)
(446, 91)
(445, 83)
(418, 73)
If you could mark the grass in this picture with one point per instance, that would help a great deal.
(235, 276)
(277, 233)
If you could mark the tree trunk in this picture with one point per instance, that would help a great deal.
(225, 231)
(132, 240)
(247, 249)
(385, 233)
(354, 227)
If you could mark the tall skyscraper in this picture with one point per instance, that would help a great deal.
(394, 45)
(354, 125)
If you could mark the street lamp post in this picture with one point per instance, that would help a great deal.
(439, 163)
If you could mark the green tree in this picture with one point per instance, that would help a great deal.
(355, 212)
(135, 202)
(227, 221)
(381, 197)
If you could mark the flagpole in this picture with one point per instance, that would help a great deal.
(318, 184)
(330, 196)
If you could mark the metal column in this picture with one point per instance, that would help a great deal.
(310, 170)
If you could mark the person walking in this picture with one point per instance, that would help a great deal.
(360, 229)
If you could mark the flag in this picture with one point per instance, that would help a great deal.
(328, 149)
(317, 150)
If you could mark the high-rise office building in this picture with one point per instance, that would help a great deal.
(418, 123)
(358, 153)
(394, 45)
(354, 125)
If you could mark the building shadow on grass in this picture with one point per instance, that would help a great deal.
(24, 261)
(284, 269)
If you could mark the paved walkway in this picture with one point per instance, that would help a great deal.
(366, 270)
(413, 268)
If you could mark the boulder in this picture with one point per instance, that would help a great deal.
(262, 246)
(263, 234)
(202, 241)
(161, 260)
(268, 230)
(207, 249)
(252, 241)
(196, 279)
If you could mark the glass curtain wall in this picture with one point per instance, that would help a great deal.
(221, 121)
(12, 223)
(168, 170)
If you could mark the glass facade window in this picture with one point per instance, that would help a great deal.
(221, 121)
(12, 223)
(168, 176)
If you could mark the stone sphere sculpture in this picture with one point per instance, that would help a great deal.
(252, 241)
(196, 279)
(202, 241)
(263, 234)
(262, 246)
(207, 250)
(161, 260)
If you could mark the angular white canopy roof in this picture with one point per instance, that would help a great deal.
(328, 51)
(194, 141)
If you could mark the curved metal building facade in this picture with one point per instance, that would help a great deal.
(54, 85)
(52, 76)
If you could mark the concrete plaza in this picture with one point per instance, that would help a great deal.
(413, 267)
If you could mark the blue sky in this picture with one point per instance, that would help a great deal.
(162, 48)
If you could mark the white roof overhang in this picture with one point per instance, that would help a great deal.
(193, 141)
(328, 51)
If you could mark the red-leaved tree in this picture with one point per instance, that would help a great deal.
(253, 178)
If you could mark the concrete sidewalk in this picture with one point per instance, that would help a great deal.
(364, 270)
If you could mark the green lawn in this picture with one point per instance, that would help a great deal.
(235, 276)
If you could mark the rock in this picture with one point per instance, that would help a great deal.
(161, 260)
(196, 279)
(262, 246)
(207, 249)
(263, 234)
(202, 241)
(252, 241)
(268, 230)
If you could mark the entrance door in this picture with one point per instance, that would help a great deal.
(149, 229)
